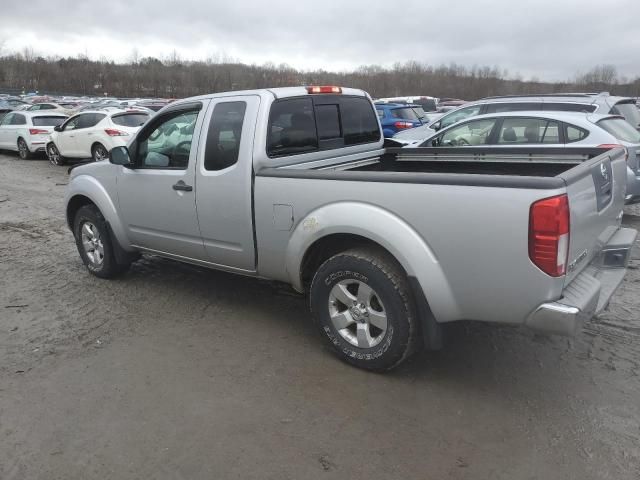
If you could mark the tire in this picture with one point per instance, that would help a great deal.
(53, 154)
(94, 243)
(23, 150)
(378, 285)
(99, 152)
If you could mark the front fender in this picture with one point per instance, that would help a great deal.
(89, 187)
(386, 229)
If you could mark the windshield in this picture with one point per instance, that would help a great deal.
(404, 113)
(629, 111)
(47, 121)
(620, 129)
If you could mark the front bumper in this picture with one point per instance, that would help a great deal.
(589, 293)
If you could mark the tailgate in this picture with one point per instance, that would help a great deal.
(596, 190)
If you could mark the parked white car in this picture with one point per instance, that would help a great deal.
(27, 132)
(93, 134)
(523, 130)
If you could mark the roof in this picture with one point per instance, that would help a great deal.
(281, 92)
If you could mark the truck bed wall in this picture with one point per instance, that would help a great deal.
(473, 263)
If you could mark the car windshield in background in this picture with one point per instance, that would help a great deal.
(620, 129)
(130, 119)
(629, 111)
(47, 121)
(407, 113)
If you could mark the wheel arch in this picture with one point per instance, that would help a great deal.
(339, 226)
(86, 190)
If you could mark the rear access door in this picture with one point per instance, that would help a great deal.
(224, 182)
(596, 191)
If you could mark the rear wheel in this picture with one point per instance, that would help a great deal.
(361, 301)
(23, 150)
(94, 243)
(99, 152)
(53, 154)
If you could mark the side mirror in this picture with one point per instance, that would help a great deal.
(120, 156)
(437, 126)
(57, 128)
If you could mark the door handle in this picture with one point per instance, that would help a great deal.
(181, 186)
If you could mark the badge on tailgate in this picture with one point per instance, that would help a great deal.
(602, 180)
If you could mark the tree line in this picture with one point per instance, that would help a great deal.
(173, 77)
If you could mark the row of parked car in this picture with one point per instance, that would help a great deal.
(71, 127)
(521, 122)
(88, 134)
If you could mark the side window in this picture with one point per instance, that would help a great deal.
(458, 115)
(518, 131)
(575, 134)
(168, 145)
(18, 119)
(88, 120)
(471, 133)
(47, 106)
(72, 123)
(292, 127)
(223, 138)
(359, 124)
(34, 108)
(7, 119)
(569, 107)
(82, 121)
(512, 107)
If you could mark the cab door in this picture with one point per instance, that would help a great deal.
(65, 139)
(224, 180)
(157, 197)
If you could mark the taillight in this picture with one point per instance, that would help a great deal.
(403, 125)
(37, 131)
(549, 234)
(610, 146)
(324, 89)
(112, 132)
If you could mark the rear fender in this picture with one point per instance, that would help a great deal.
(385, 229)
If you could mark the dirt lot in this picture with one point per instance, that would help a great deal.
(175, 372)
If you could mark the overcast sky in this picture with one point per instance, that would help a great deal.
(549, 39)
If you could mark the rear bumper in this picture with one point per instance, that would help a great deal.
(589, 293)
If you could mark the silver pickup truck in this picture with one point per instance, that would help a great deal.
(296, 185)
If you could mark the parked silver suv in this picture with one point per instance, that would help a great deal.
(601, 103)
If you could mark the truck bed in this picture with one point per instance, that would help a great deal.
(537, 162)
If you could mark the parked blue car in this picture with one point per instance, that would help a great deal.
(395, 117)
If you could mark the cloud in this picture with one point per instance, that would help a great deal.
(549, 39)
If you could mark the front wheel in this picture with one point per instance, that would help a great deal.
(94, 243)
(23, 150)
(361, 301)
(53, 154)
(99, 152)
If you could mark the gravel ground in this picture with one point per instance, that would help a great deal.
(175, 372)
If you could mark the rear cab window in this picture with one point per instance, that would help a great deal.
(320, 122)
